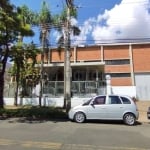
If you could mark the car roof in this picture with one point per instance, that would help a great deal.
(114, 95)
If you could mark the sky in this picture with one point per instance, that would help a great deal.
(102, 21)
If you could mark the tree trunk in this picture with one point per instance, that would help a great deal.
(2, 73)
(17, 85)
(1, 90)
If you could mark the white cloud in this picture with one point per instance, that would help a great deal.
(128, 20)
(85, 30)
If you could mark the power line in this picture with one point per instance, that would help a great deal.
(100, 6)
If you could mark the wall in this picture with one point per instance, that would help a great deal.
(141, 58)
(125, 90)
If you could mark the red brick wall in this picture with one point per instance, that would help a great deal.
(116, 52)
(141, 58)
(123, 81)
(88, 53)
(57, 56)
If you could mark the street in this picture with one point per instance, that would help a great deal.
(16, 134)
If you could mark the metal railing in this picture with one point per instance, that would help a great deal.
(78, 88)
(56, 88)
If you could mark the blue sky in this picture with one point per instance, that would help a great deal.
(103, 21)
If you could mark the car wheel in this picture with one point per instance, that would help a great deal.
(79, 117)
(129, 119)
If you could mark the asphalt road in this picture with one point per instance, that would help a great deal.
(65, 135)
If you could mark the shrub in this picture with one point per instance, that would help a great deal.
(34, 113)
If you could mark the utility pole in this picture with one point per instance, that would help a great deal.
(67, 66)
(42, 63)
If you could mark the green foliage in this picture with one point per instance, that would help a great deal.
(34, 113)
(24, 58)
(62, 19)
(26, 15)
(44, 14)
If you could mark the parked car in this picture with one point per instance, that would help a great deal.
(148, 113)
(106, 107)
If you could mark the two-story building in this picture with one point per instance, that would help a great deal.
(128, 65)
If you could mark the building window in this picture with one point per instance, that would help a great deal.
(116, 75)
(117, 62)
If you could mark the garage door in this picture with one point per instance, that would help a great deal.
(142, 82)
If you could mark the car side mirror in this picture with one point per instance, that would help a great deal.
(92, 103)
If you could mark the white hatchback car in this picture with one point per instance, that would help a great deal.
(106, 107)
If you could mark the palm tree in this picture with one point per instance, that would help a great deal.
(44, 19)
(64, 40)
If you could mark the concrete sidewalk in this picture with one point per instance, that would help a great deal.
(143, 107)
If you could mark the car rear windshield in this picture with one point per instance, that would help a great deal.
(125, 100)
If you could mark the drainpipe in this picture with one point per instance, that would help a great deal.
(131, 64)
(102, 53)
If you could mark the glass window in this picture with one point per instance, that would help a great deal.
(99, 100)
(116, 75)
(125, 100)
(114, 100)
(117, 62)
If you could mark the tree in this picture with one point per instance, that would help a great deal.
(61, 21)
(8, 31)
(64, 40)
(26, 18)
(44, 19)
(24, 58)
(13, 22)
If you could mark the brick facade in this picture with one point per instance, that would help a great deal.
(121, 60)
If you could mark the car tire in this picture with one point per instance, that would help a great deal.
(79, 117)
(129, 119)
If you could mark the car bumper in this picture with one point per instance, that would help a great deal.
(70, 114)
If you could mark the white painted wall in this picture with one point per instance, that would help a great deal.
(124, 90)
(58, 102)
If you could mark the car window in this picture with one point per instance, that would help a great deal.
(125, 100)
(114, 100)
(99, 100)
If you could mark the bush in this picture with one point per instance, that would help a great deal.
(34, 113)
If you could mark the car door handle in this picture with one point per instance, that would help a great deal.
(121, 107)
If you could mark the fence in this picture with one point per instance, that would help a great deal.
(78, 88)
(56, 88)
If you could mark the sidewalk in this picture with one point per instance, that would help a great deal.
(143, 107)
